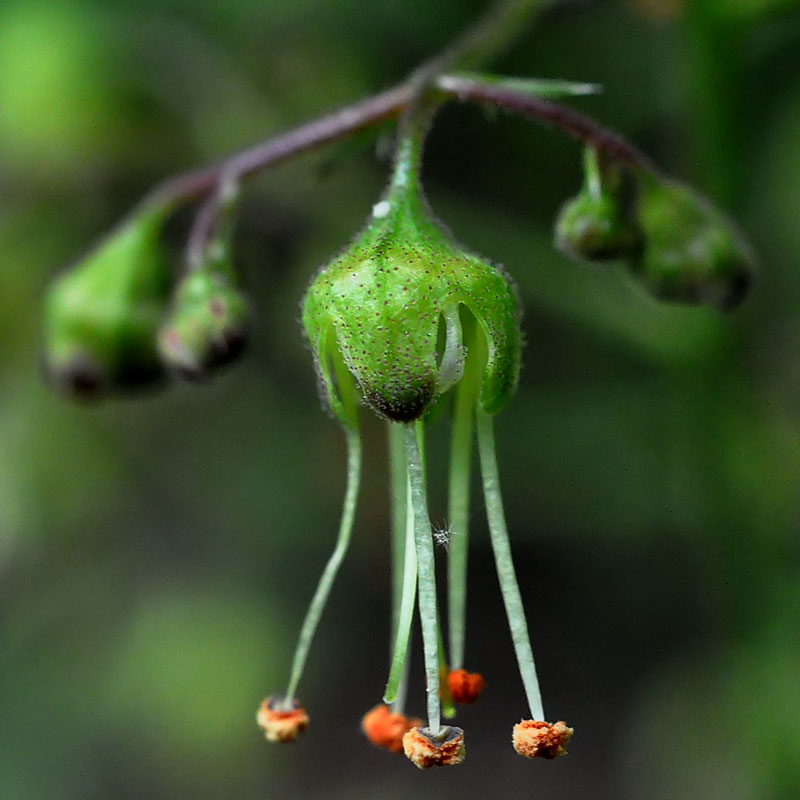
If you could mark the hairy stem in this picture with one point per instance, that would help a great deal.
(423, 542)
(496, 30)
(565, 119)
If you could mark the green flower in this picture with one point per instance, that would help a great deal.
(401, 317)
(390, 310)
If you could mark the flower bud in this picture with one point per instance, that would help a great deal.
(691, 252)
(389, 308)
(597, 224)
(101, 316)
(207, 324)
(206, 327)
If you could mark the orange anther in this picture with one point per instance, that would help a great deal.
(536, 739)
(465, 687)
(427, 751)
(386, 728)
(281, 724)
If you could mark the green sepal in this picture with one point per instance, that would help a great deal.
(597, 224)
(206, 327)
(101, 315)
(692, 253)
(380, 304)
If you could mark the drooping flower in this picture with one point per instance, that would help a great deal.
(401, 318)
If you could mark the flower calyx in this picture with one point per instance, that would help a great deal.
(388, 309)
(444, 749)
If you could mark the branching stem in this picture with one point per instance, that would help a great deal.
(484, 40)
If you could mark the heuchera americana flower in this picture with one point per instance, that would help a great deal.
(402, 318)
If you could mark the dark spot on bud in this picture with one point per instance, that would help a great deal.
(80, 377)
(402, 406)
(738, 288)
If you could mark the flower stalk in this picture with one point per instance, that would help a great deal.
(466, 394)
(506, 574)
(426, 577)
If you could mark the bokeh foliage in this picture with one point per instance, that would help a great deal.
(156, 554)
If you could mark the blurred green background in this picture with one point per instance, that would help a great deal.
(156, 554)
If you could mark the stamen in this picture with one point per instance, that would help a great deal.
(423, 543)
(505, 565)
(425, 750)
(399, 501)
(448, 706)
(465, 687)
(332, 567)
(404, 582)
(395, 686)
(458, 513)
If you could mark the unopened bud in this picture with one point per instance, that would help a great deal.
(384, 307)
(206, 327)
(691, 253)
(101, 315)
(597, 224)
